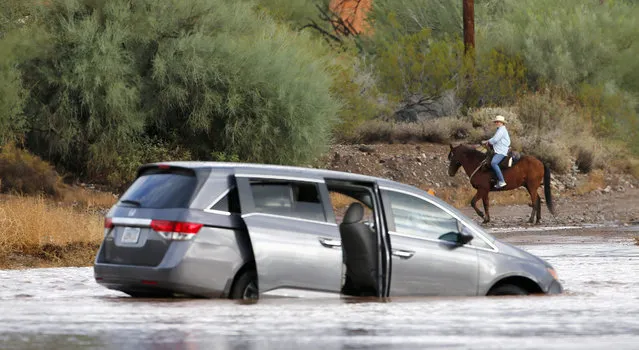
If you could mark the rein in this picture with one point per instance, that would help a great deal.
(476, 170)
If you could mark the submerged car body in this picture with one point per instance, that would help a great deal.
(244, 230)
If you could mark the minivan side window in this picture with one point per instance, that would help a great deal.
(417, 217)
(230, 203)
(295, 199)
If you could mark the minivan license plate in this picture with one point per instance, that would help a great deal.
(130, 235)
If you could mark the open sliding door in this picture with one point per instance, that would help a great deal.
(385, 261)
(365, 239)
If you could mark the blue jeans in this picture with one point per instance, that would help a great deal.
(497, 158)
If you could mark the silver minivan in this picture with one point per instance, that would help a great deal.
(232, 230)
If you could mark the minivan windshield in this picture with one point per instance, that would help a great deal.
(161, 190)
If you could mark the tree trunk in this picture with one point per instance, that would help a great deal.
(469, 26)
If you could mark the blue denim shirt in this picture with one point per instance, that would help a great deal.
(501, 141)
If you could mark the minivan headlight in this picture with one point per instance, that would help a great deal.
(553, 273)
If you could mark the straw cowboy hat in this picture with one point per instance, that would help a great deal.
(500, 118)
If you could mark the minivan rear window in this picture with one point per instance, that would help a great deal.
(161, 190)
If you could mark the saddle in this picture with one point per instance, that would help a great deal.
(509, 161)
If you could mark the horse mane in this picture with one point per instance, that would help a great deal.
(472, 151)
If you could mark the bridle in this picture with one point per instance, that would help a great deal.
(458, 163)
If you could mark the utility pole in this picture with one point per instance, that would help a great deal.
(469, 26)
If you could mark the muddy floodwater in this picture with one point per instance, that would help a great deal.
(65, 309)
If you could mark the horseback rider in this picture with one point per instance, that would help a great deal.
(501, 143)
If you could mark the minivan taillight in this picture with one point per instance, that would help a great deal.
(176, 230)
(108, 225)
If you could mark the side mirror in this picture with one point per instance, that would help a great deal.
(458, 238)
(463, 239)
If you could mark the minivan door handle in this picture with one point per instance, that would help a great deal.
(330, 242)
(403, 254)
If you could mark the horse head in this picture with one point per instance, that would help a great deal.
(454, 159)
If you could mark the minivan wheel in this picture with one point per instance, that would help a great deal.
(508, 289)
(246, 286)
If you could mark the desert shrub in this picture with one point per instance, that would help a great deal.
(550, 114)
(443, 17)
(570, 42)
(295, 12)
(438, 130)
(585, 48)
(610, 112)
(373, 131)
(496, 79)
(207, 75)
(618, 159)
(124, 168)
(14, 13)
(427, 131)
(552, 152)
(545, 113)
(482, 118)
(585, 160)
(24, 173)
(356, 85)
(634, 168)
(596, 180)
(412, 16)
(553, 129)
(418, 65)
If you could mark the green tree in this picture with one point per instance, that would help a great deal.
(571, 42)
(295, 12)
(420, 65)
(16, 45)
(211, 76)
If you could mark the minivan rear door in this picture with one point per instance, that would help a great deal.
(295, 240)
(157, 193)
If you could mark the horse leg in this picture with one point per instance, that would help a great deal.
(473, 203)
(484, 199)
(538, 210)
(536, 203)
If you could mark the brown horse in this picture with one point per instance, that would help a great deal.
(528, 172)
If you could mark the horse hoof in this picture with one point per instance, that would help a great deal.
(485, 221)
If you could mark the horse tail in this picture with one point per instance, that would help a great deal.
(547, 192)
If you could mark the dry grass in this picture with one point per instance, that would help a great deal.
(595, 181)
(88, 199)
(460, 196)
(626, 164)
(36, 231)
